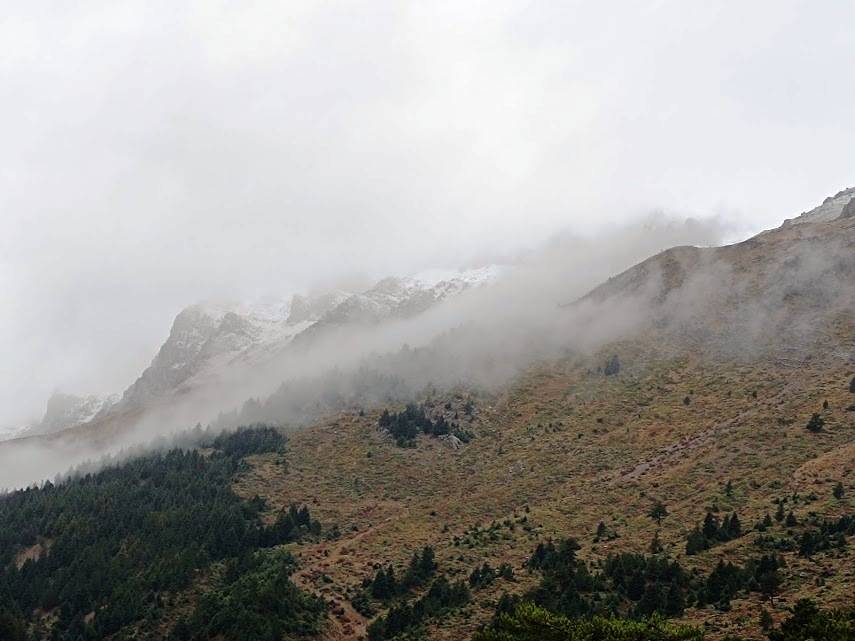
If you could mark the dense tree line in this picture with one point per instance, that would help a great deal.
(406, 425)
(809, 623)
(112, 543)
(385, 585)
(828, 534)
(254, 599)
(526, 621)
(529, 622)
(402, 617)
(712, 532)
(638, 585)
(485, 574)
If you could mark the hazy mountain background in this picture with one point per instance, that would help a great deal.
(155, 156)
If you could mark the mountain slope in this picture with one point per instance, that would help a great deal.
(723, 386)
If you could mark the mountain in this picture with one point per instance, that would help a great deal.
(206, 338)
(679, 440)
(781, 292)
(65, 411)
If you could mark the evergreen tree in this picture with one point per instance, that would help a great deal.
(711, 526)
(815, 424)
(767, 576)
(612, 366)
(734, 527)
(696, 542)
(658, 512)
(791, 520)
(838, 490)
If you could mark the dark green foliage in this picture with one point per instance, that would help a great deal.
(482, 576)
(255, 439)
(441, 596)
(612, 366)
(422, 567)
(815, 424)
(838, 491)
(722, 584)
(767, 575)
(829, 534)
(658, 512)
(362, 604)
(406, 425)
(852, 385)
(124, 535)
(12, 627)
(528, 622)
(809, 623)
(638, 586)
(385, 586)
(712, 532)
(630, 583)
(506, 572)
(653, 582)
(791, 520)
(255, 600)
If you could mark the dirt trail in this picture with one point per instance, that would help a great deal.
(323, 569)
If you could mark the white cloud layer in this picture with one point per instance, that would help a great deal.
(158, 153)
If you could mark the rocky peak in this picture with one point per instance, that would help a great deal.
(837, 206)
(201, 333)
(67, 410)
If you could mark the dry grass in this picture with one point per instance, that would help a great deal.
(566, 448)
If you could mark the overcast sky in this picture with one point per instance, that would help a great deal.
(153, 154)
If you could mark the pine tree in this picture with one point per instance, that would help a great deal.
(791, 520)
(674, 601)
(601, 532)
(815, 424)
(852, 386)
(838, 490)
(734, 527)
(779, 513)
(658, 512)
(711, 526)
(696, 542)
(613, 366)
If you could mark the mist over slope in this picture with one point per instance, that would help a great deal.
(772, 295)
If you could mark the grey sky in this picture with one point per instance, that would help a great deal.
(158, 153)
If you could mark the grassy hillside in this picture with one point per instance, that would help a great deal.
(567, 447)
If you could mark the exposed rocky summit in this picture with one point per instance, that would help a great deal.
(208, 336)
(66, 410)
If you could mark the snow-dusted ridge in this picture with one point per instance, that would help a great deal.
(208, 337)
